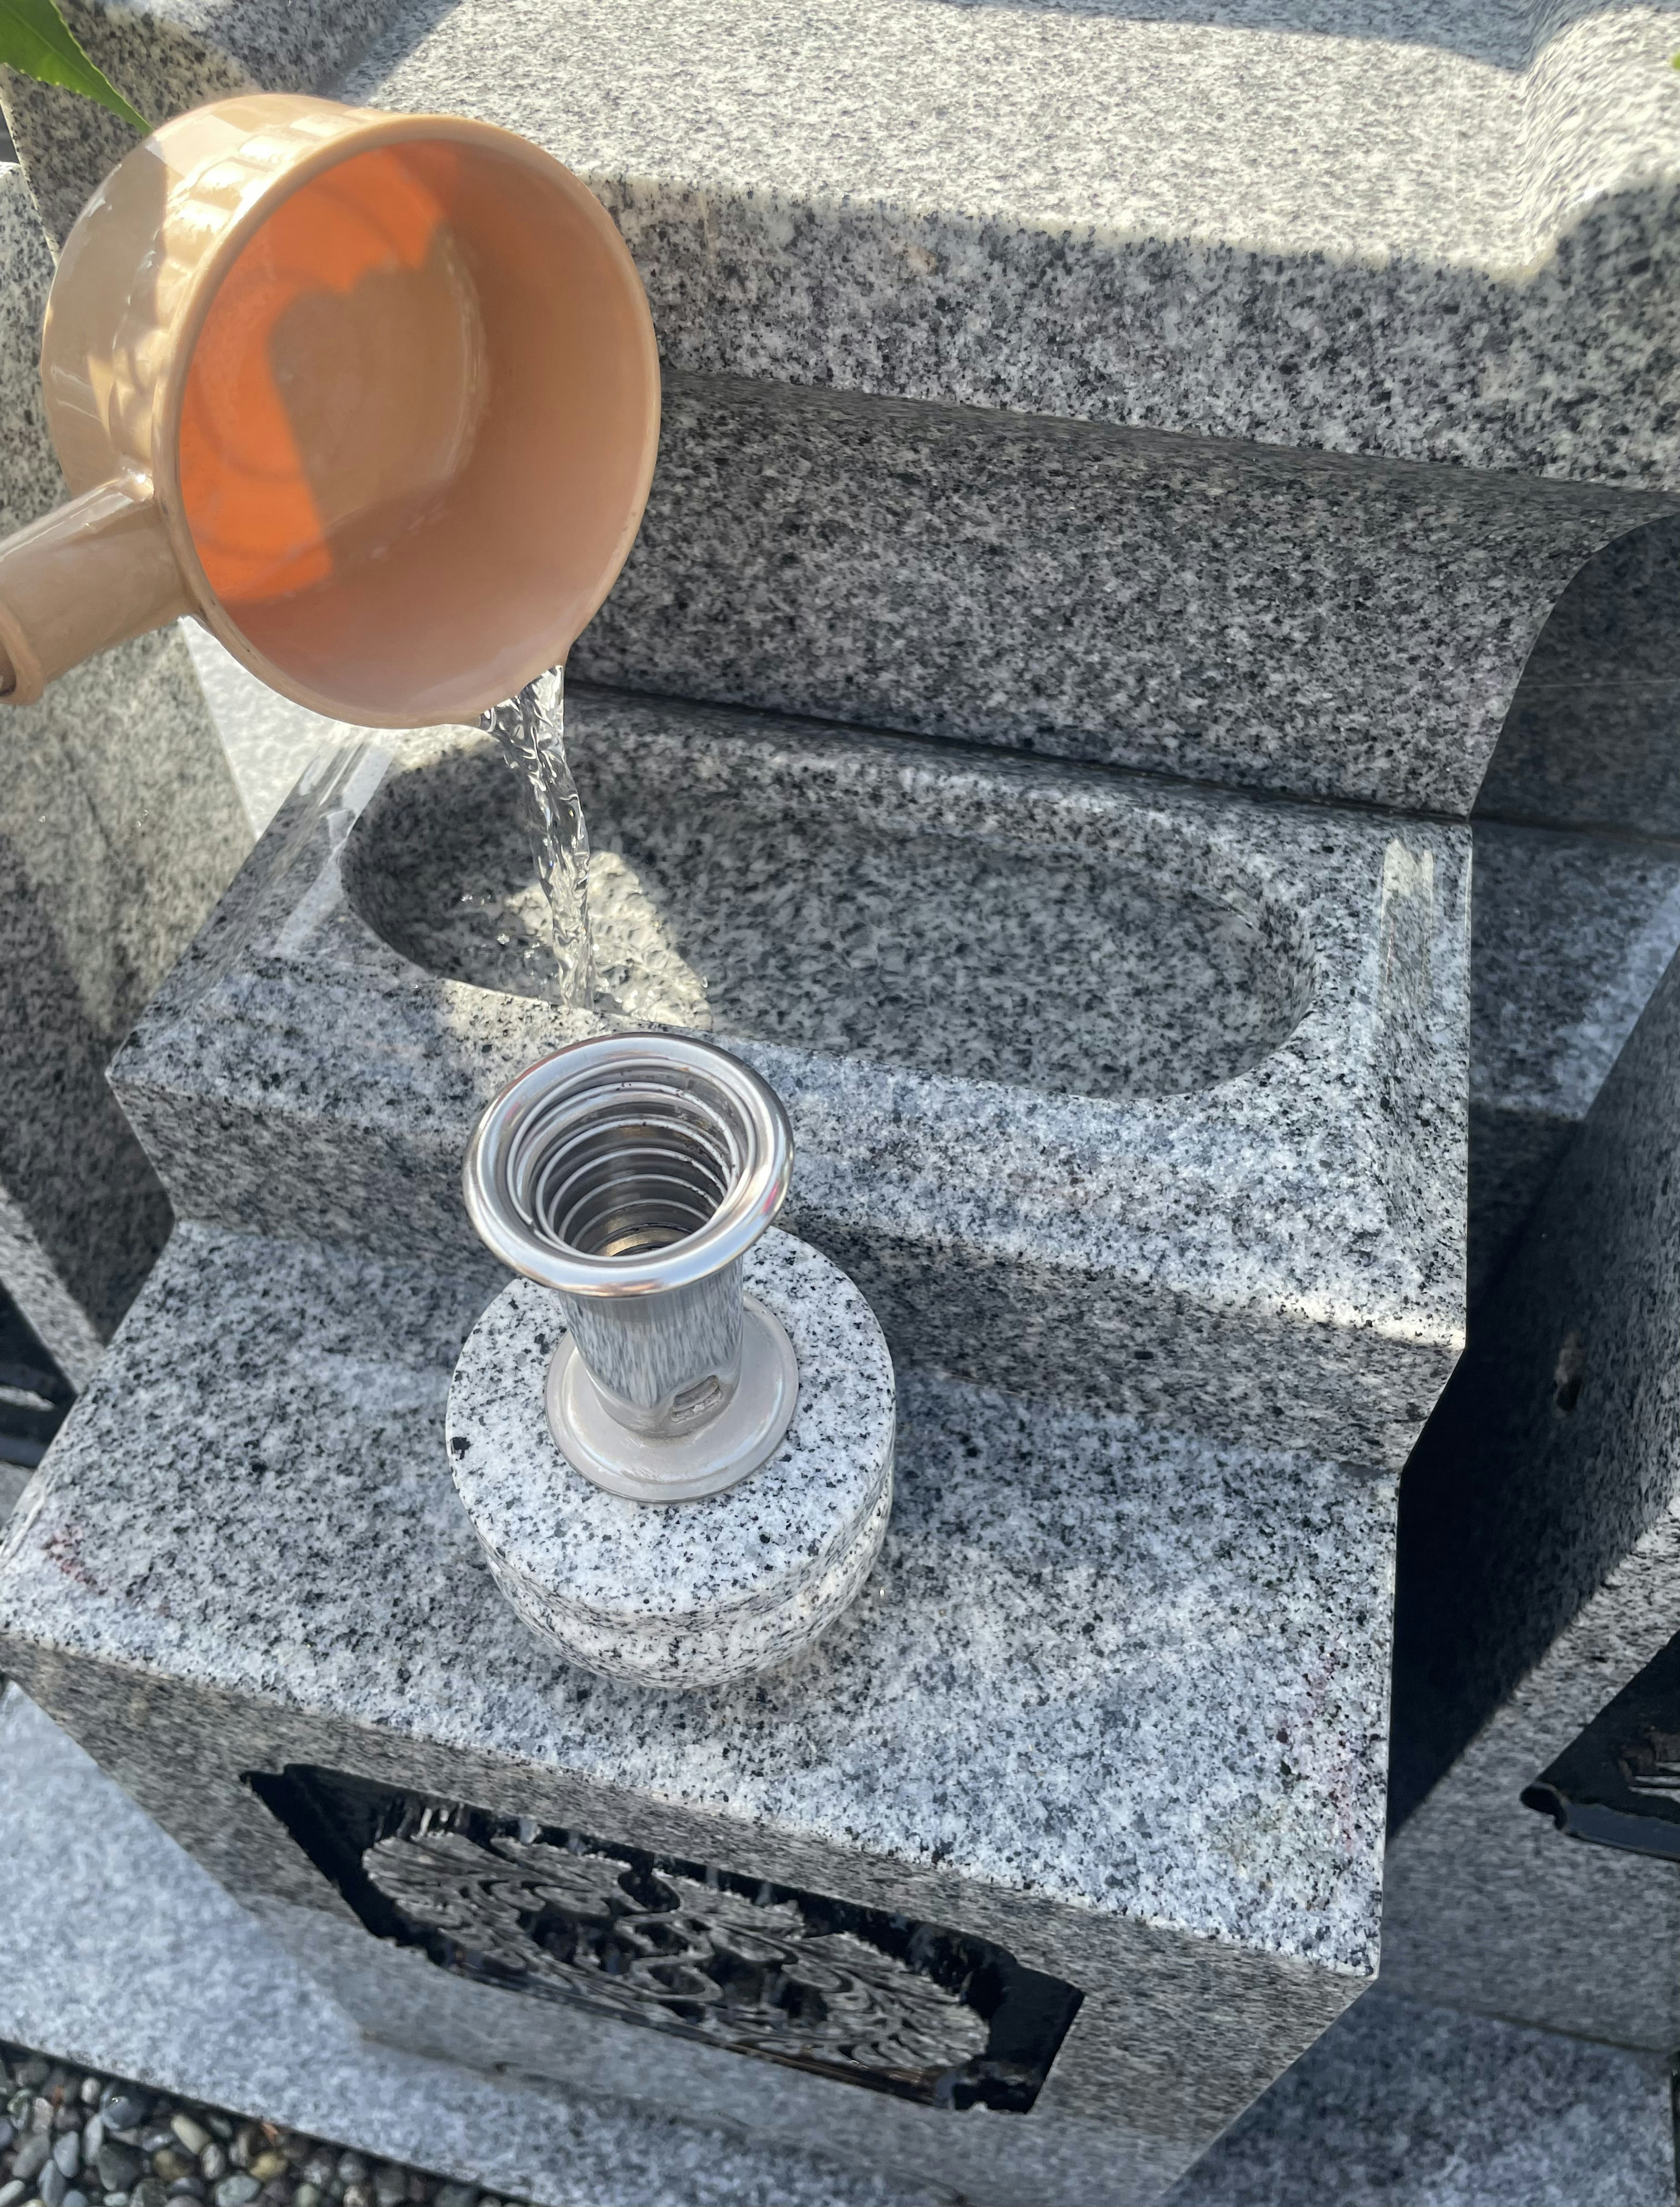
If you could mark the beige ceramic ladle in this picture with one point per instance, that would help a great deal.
(375, 396)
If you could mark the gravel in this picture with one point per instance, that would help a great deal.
(69, 2139)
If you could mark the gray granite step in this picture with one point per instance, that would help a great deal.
(1080, 413)
(153, 1971)
(1369, 230)
(1407, 2104)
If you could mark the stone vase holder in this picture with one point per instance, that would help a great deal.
(674, 1435)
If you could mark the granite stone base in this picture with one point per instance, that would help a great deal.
(153, 1971)
(1404, 2103)
(117, 1950)
(674, 1593)
(1059, 1595)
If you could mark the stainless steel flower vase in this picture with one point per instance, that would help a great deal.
(630, 1174)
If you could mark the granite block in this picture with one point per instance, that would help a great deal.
(1134, 503)
(157, 1973)
(992, 1136)
(154, 1972)
(119, 827)
(1440, 237)
(1061, 1596)
(1235, 613)
(1614, 623)
(1540, 1548)
(1416, 2105)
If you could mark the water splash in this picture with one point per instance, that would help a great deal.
(530, 731)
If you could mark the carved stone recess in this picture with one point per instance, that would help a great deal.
(923, 2013)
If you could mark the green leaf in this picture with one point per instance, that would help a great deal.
(37, 41)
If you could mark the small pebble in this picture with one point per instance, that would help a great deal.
(358, 2195)
(352, 2168)
(91, 2089)
(192, 2135)
(267, 2165)
(116, 2199)
(18, 2107)
(92, 2137)
(12, 2192)
(75, 2198)
(40, 2112)
(390, 2184)
(306, 2195)
(34, 2071)
(124, 2111)
(214, 2161)
(8, 2131)
(170, 2162)
(150, 2192)
(119, 2166)
(66, 2152)
(51, 2184)
(32, 2156)
(187, 2188)
(319, 2171)
(455, 2195)
(236, 2191)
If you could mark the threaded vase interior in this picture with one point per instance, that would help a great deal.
(630, 1168)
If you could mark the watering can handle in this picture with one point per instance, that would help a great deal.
(83, 577)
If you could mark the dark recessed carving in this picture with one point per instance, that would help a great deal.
(852, 1993)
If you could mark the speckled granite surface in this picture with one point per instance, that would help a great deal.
(1092, 592)
(1022, 555)
(1407, 2103)
(1571, 934)
(1279, 1255)
(154, 1972)
(119, 827)
(1060, 1595)
(1540, 1571)
(691, 1594)
(1590, 740)
(157, 1973)
(1363, 236)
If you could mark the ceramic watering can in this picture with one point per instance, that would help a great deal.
(375, 396)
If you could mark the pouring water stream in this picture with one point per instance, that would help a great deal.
(530, 732)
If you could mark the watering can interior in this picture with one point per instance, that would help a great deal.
(376, 396)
